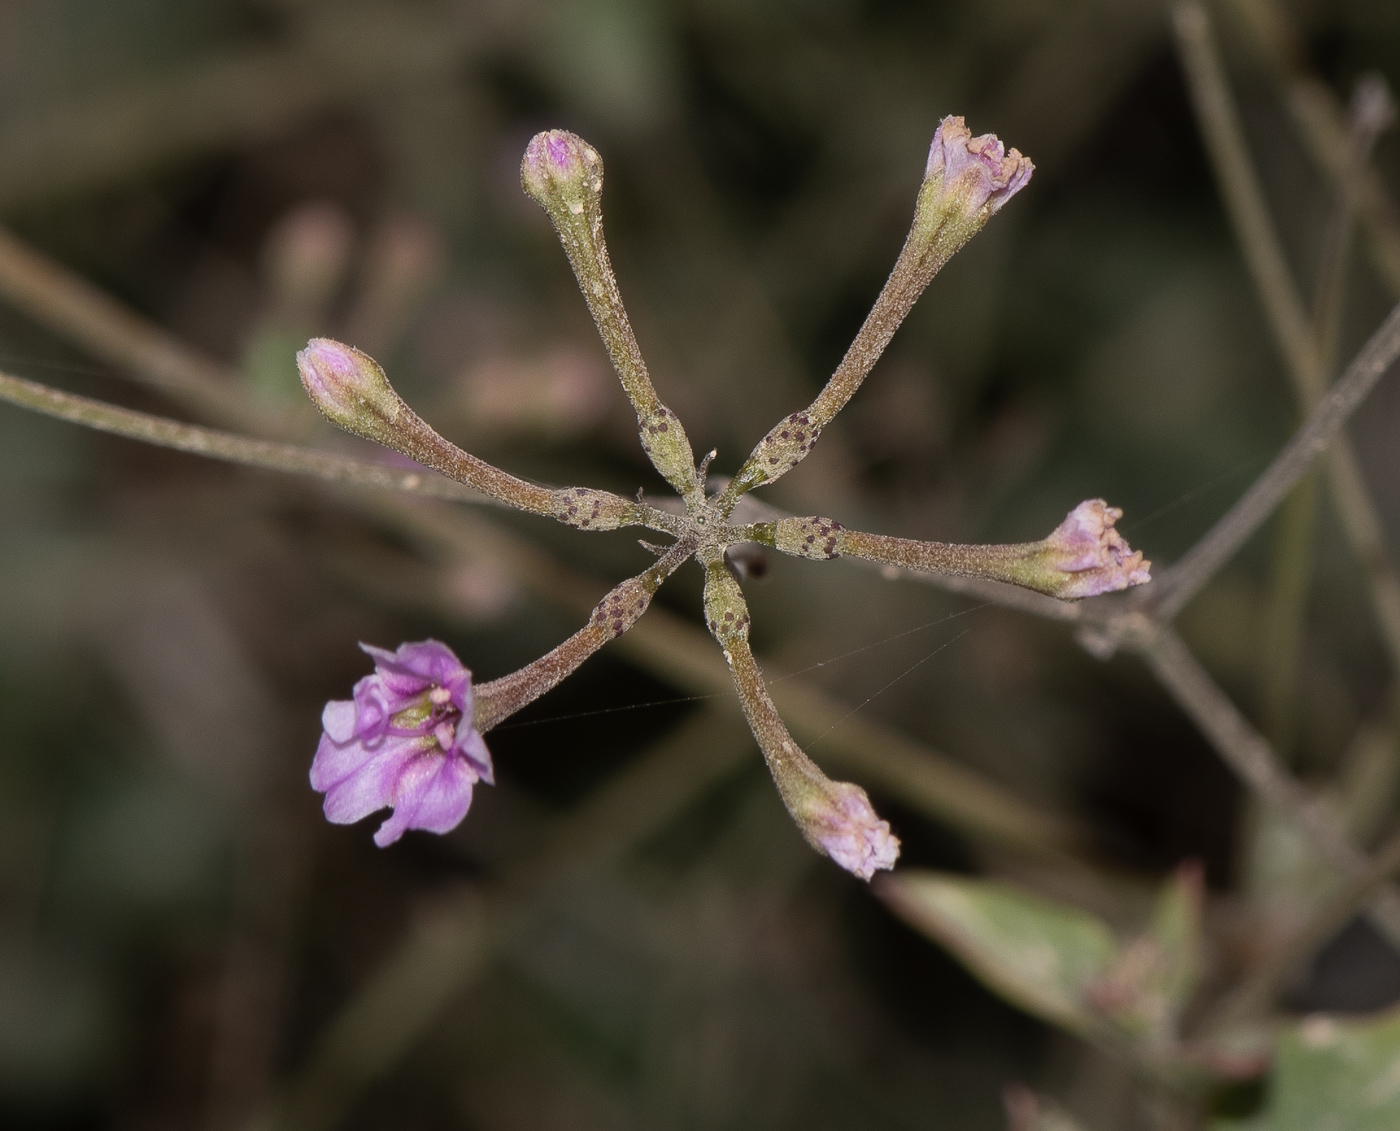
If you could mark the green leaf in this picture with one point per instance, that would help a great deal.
(1332, 1074)
(1037, 954)
(1156, 972)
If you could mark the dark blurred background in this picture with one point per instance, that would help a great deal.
(180, 924)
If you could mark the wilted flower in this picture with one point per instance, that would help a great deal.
(405, 741)
(1097, 558)
(977, 170)
(838, 819)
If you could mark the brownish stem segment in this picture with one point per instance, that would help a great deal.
(571, 194)
(939, 230)
(727, 616)
(1303, 354)
(212, 444)
(612, 616)
(1024, 564)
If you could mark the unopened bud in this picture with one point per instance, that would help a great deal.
(561, 172)
(350, 388)
(726, 612)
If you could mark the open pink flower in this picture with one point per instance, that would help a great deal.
(405, 741)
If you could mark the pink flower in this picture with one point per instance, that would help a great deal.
(977, 169)
(839, 820)
(405, 741)
(1096, 556)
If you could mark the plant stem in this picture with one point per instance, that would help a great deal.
(266, 454)
(1286, 605)
(1320, 122)
(1302, 351)
(1182, 581)
(1285, 609)
(1253, 994)
(71, 306)
(611, 617)
(1254, 762)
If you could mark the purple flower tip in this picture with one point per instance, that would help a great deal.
(977, 168)
(840, 821)
(560, 167)
(345, 383)
(1087, 546)
(405, 741)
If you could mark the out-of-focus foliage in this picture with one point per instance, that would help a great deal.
(180, 925)
(1064, 964)
(1336, 1072)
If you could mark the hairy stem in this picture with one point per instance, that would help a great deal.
(207, 442)
(273, 456)
(611, 617)
(564, 175)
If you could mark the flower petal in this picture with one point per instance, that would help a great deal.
(338, 721)
(416, 666)
(434, 793)
(372, 786)
(472, 747)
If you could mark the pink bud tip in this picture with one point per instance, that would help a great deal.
(345, 384)
(559, 168)
(1087, 546)
(979, 169)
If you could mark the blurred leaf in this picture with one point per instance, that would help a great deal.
(1176, 929)
(1155, 973)
(1333, 1075)
(1026, 1111)
(1040, 955)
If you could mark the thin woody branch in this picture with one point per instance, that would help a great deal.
(1249, 755)
(1182, 581)
(1305, 353)
(563, 174)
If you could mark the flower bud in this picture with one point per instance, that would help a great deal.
(561, 172)
(726, 612)
(350, 389)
